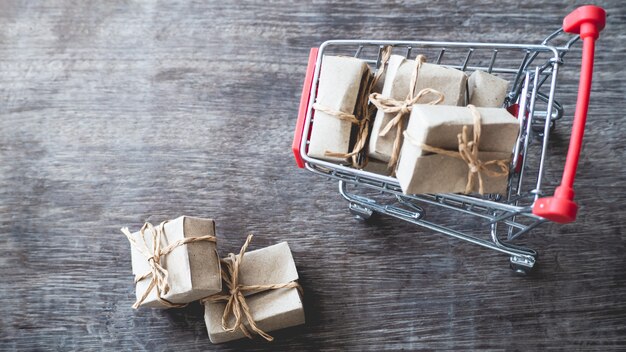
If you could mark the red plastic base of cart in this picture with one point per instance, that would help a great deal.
(304, 106)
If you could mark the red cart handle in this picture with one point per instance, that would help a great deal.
(587, 21)
(304, 107)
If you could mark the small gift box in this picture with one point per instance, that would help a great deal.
(261, 295)
(449, 81)
(449, 149)
(341, 103)
(409, 82)
(486, 90)
(174, 263)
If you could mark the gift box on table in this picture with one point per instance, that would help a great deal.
(444, 85)
(261, 295)
(449, 149)
(486, 90)
(337, 107)
(175, 263)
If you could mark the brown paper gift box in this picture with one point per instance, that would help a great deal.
(272, 309)
(193, 268)
(450, 82)
(438, 126)
(487, 90)
(338, 89)
(377, 167)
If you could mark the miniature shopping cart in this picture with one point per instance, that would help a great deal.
(533, 71)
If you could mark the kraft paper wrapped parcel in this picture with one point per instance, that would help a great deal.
(267, 279)
(377, 167)
(193, 268)
(448, 81)
(487, 90)
(438, 126)
(340, 83)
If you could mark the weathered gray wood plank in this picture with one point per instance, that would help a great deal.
(117, 112)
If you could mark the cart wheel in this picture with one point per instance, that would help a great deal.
(360, 212)
(520, 266)
(539, 128)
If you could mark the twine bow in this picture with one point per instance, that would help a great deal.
(468, 152)
(236, 304)
(362, 124)
(402, 108)
(158, 274)
(361, 117)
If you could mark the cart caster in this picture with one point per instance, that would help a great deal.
(521, 266)
(360, 212)
(538, 129)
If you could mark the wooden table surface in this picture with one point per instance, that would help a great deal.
(113, 113)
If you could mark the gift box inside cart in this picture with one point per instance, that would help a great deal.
(414, 127)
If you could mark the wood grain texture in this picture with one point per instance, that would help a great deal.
(117, 112)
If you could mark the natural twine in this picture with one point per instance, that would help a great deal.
(157, 273)
(402, 108)
(362, 116)
(236, 304)
(468, 152)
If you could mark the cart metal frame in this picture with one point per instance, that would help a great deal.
(531, 98)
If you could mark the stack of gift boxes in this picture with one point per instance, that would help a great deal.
(244, 294)
(432, 127)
